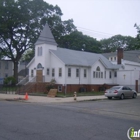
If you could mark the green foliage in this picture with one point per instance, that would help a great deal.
(21, 22)
(10, 81)
(51, 84)
(80, 94)
(1, 55)
(77, 41)
(28, 55)
(138, 36)
(118, 41)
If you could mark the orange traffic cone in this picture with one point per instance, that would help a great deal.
(26, 96)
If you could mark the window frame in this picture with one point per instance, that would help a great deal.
(6, 75)
(69, 72)
(60, 72)
(39, 51)
(77, 72)
(53, 72)
(85, 73)
(59, 88)
(6, 65)
(94, 74)
(101, 74)
(48, 71)
(110, 74)
(32, 73)
(115, 73)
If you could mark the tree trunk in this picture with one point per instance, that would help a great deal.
(16, 71)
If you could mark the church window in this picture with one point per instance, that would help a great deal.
(48, 71)
(39, 66)
(115, 73)
(53, 72)
(77, 72)
(39, 51)
(69, 72)
(110, 74)
(97, 73)
(60, 72)
(32, 73)
(85, 73)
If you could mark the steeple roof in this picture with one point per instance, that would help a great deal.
(46, 37)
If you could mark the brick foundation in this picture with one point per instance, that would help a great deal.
(41, 87)
(87, 88)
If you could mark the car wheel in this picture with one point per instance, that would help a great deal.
(134, 95)
(122, 96)
(109, 97)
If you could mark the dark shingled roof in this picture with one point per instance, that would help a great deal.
(133, 55)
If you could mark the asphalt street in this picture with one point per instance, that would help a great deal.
(89, 120)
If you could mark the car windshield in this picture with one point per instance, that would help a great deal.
(116, 87)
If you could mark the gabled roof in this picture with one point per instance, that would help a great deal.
(23, 72)
(133, 55)
(46, 37)
(81, 58)
(33, 59)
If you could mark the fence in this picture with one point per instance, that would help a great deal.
(8, 89)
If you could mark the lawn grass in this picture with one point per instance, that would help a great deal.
(79, 94)
(63, 95)
(37, 94)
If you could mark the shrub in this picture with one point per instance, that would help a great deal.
(10, 81)
(51, 84)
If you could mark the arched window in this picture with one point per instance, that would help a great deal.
(39, 66)
(97, 73)
(98, 68)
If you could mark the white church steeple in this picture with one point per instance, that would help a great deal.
(46, 37)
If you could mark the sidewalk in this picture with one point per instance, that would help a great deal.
(45, 99)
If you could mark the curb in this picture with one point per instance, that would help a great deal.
(92, 100)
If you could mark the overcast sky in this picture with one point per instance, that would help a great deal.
(101, 18)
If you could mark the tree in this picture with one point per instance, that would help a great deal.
(1, 55)
(111, 44)
(28, 55)
(138, 36)
(21, 22)
(77, 41)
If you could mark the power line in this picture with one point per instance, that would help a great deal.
(90, 30)
(95, 33)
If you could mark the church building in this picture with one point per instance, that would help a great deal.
(78, 70)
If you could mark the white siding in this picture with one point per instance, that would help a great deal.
(56, 64)
(102, 69)
(77, 80)
(45, 58)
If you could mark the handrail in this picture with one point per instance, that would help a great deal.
(32, 80)
(23, 81)
(29, 79)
